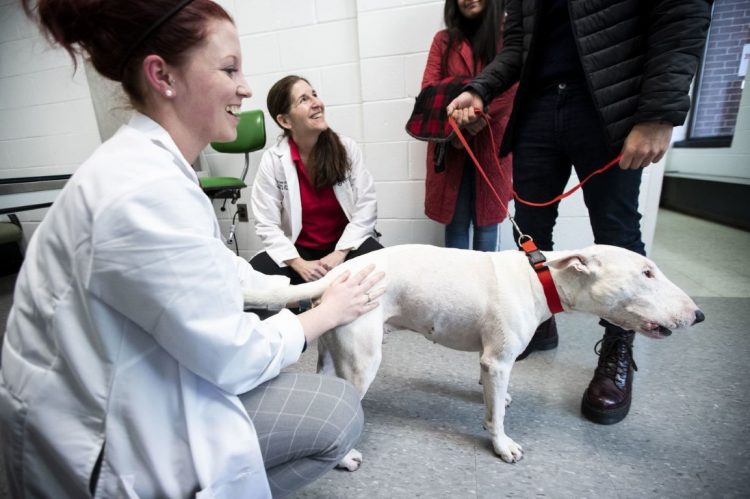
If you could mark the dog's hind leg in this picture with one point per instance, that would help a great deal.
(356, 353)
(495, 377)
(355, 350)
(325, 359)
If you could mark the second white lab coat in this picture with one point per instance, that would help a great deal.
(277, 207)
(128, 334)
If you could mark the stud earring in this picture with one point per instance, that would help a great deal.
(169, 93)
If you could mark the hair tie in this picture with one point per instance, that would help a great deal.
(156, 25)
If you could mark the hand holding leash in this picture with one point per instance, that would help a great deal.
(646, 143)
(463, 109)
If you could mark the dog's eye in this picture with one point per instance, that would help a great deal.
(648, 273)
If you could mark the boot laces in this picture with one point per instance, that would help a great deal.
(615, 357)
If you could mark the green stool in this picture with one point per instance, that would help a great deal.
(251, 136)
(11, 235)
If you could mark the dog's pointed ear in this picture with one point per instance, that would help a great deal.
(574, 261)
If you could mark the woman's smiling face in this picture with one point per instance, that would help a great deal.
(210, 86)
(306, 114)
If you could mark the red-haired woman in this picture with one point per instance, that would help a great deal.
(129, 367)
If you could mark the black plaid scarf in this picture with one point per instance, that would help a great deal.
(428, 120)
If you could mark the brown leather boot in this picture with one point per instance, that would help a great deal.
(607, 399)
(545, 338)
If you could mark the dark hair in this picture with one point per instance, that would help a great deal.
(483, 34)
(328, 163)
(107, 30)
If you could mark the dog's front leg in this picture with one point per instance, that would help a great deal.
(508, 398)
(495, 377)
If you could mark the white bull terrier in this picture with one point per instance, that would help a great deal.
(491, 303)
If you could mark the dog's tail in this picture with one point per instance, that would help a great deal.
(287, 294)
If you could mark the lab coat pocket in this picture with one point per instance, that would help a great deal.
(250, 485)
(96, 471)
(113, 485)
(120, 486)
(126, 484)
(12, 433)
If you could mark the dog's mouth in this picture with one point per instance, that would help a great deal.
(656, 330)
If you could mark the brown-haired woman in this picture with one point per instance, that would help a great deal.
(313, 200)
(455, 195)
(129, 367)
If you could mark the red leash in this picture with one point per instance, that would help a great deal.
(483, 115)
(536, 258)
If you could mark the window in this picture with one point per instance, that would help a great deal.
(718, 87)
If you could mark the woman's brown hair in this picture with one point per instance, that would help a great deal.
(111, 33)
(328, 163)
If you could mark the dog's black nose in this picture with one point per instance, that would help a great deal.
(699, 317)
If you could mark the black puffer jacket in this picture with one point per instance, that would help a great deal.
(638, 57)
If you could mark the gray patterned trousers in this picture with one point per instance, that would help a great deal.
(305, 424)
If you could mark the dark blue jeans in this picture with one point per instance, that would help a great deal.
(464, 219)
(559, 130)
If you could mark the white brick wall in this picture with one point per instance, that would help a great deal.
(47, 122)
(314, 39)
(365, 58)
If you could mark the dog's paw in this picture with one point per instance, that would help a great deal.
(507, 449)
(351, 462)
(508, 399)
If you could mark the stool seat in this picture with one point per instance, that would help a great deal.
(221, 187)
(251, 136)
(10, 233)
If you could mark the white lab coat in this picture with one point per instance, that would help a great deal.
(127, 332)
(277, 207)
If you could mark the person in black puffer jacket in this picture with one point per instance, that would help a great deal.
(597, 79)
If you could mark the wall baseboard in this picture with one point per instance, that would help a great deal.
(721, 202)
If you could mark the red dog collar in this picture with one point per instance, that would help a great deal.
(537, 261)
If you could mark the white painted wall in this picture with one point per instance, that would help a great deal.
(365, 58)
(47, 122)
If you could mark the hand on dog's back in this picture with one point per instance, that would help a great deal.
(348, 297)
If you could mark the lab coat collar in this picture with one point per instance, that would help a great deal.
(281, 148)
(158, 135)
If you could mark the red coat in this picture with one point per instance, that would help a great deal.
(442, 188)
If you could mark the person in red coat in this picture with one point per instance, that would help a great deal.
(456, 195)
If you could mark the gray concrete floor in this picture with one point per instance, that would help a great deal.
(686, 434)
